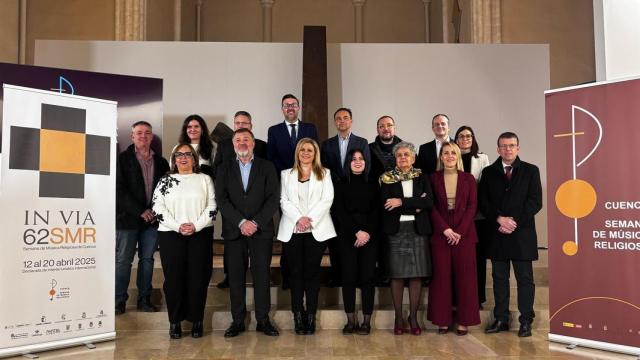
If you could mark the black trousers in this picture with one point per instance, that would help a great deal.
(358, 268)
(239, 252)
(481, 260)
(336, 263)
(304, 254)
(526, 289)
(187, 265)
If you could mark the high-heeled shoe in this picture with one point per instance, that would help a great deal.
(462, 332)
(414, 330)
(443, 330)
(398, 330)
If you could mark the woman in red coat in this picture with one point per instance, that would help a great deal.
(453, 244)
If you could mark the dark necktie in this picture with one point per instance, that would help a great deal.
(294, 136)
(507, 172)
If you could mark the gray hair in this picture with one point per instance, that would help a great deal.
(407, 145)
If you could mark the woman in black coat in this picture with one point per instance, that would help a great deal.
(407, 197)
(356, 204)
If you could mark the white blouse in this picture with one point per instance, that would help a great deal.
(407, 191)
(180, 199)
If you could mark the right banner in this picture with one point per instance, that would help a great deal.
(593, 182)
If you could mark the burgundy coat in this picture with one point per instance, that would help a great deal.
(465, 210)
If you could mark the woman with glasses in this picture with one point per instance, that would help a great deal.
(356, 208)
(407, 197)
(474, 162)
(453, 244)
(184, 204)
(196, 133)
(305, 199)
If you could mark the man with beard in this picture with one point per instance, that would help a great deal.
(248, 195)
(382, 158)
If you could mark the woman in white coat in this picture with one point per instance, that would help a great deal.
(474, 162)
(306, 198)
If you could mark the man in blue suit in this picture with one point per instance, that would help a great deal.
(333, 155)
(283, 137)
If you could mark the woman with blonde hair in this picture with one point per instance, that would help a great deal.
(453, 244)
(306, 198)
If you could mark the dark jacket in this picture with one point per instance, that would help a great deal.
(330, 155)
(381, 160)
(464, 212)
(131, 200)
(520, 198)
(427, 160)
(259, 203)
(280, 149)
(356, 203)
(225, 152)
(391, 219)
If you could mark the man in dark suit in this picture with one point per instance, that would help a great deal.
(428, 153)
(333, 155)
(282, 138)
(248, 195)
(224, 153)
(510, 195)
(334, 150)
(138, 170)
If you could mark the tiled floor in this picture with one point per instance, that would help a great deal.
(329, 344)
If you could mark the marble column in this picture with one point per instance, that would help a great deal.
(267, 9)
(358, 6)
(486, 22)
(177, 20)
(427, 33)
(131, 20)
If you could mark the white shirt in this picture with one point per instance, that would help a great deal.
(180, 199)
(407, 191)
(297, 124)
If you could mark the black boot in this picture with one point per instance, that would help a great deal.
(311, 324)
(299, 321)
(175, 331)
(196, 329)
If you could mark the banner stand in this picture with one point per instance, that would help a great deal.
(595, 344)
(54, 345)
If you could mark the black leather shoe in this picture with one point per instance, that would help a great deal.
(364, 329)
(145, 305)
(350, 328)
(224, 284)
(496, 327)
(175, 331)
(267, 328)
(196, 329)
(299, 323)
(121, 307)
(525, 330)
(234, 330)
(311, 324)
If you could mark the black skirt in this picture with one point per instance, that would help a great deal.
(409, 253)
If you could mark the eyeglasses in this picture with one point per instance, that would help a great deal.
(182, 154)
(508, 146)
(387, 126)
(290, 106)
(465, 136)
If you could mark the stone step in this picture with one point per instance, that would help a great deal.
(540, 272)
(328, 297)
(219, 318)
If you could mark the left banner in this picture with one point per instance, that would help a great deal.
(57, 215)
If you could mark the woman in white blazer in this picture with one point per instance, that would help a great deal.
(306, 198)
(474, 162)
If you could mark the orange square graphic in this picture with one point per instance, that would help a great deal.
(62, 151)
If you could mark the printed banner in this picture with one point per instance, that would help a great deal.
(57, 207)
(594, 217)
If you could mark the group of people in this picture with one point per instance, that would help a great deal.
(429, 216)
